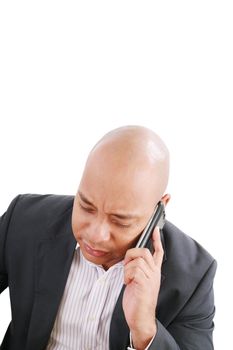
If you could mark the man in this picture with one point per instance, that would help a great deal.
(76, 279)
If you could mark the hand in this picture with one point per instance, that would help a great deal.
(142, 275)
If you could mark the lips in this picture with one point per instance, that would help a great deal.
(94, 252)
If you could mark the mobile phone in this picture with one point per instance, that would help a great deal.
(157, 219)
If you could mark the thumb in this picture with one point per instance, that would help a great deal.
(158, 248)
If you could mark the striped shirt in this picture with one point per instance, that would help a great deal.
(84, 315)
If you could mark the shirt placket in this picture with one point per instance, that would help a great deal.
(95, 305)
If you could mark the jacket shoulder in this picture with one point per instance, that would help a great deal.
(186, 262)
(184, 250)
(53, 201)
(187, 265)
(48, 205)
(33, 213)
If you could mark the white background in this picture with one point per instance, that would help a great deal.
(72, 70)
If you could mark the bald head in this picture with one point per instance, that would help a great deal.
(134, 151)
(125, 176)
(139, 139)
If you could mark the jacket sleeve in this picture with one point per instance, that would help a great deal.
(193, 327)
(4, 224)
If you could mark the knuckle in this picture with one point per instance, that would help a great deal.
(161, 250)
(146, 253)
(137, 269)
(140, 261)
(137, 273)
(128, 252)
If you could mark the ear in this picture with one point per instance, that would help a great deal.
(166, 198)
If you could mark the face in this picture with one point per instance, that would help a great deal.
(111, 209)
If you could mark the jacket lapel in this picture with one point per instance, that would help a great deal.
(119, 330)
(53, 258)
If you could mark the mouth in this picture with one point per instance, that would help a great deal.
(94, 252)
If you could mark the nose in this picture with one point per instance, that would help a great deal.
(98, 232)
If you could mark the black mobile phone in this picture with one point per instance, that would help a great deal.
(157, 219)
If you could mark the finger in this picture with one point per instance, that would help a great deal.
(135, 275)
(158, 253)
(143, 253)
(141, 264)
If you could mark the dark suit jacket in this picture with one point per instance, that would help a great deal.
(36, 251)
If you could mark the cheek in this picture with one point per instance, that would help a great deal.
(78, 222)
(121, 242)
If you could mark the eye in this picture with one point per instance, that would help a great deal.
(122, 225)
(87, 209)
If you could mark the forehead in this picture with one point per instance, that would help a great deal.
(117, 186)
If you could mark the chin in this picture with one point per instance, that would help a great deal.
(93, 259)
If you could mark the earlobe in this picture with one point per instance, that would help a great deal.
(166, 198)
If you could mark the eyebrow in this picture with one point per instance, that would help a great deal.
(84, 198)
(117, 215)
